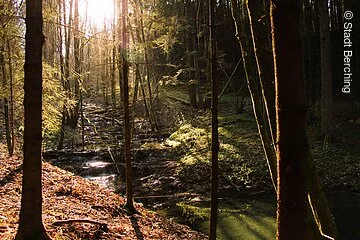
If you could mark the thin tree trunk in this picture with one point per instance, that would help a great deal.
(127, 131)
(326, 79)
(113, 62)
(138, 78)
(65, 68)
(82, 121)
(136, 88)
(254, 89)
(120, 73)
(260, 31)
(143, 93)
(11, 112)
(214, 124)
(62, 79)
(75, 111)
(147, 68)
(30, 222)
(113, 85)
(5, 103)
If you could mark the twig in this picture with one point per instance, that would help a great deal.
(229, 78)
(69, 221)
(115, 120)
(112, 158)
(170, 196)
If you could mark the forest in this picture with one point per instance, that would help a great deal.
(179, 119)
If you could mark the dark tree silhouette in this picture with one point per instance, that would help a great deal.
(127, 131)
(292, 144)
(30, 225)
(214, 124)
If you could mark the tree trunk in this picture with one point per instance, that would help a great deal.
(113, 64)
(5, 103)
(30, 222)
(260, 31)
(119, 20)
(326, 74)
(192, 86)
(62, 79)
(127, 128)
(249, 64)
(75, 110)
(292, 144)
(319, 216)
(11, 112)
(214, 124)
(65, 62)
(147, 70)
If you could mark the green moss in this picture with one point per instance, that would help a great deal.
(194, 214)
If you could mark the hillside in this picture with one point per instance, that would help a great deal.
(69, 197)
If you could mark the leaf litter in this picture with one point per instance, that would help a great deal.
(70, 197)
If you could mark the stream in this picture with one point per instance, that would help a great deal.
(240, 217)
(157, 187)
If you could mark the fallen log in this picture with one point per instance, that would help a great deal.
(176, 98)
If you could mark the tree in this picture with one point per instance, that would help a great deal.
(74, 113)
(8, 99)
(9, 143)
(326, 73)
(292, 144)
(65, 63)
(214, 124)
(255, 87)
(127, 127)
(320, 221)
(30, 224)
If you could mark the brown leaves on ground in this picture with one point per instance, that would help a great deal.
(66, 196)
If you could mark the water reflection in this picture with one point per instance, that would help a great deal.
(110, 181)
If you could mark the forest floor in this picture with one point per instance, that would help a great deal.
(66, 196)
(172, 166)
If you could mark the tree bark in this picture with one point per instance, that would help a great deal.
(30, 223)
(292, 144)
